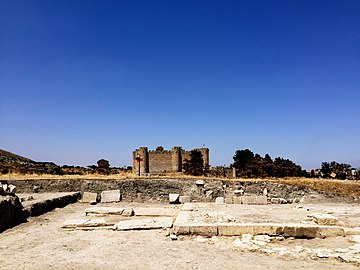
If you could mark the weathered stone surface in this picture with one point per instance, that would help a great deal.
(174, 198)
(219, 200)
(352, 231)
(104, 211)
(145, 224)
(184, 199)
(228, 200)
(151, 211)
(75, 223)
(200, 182)
(249, 199)
(128, 212)
(72, 223)
(203, 229)
(234, 229)
(97, 222)
(330, 231)
(108, 196)
(181, 223)
(237, 200)
(324, 219)
(265, 192)
(87, 197)
(261, 200)
(187, 207)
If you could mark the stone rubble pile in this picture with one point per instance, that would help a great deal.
(265, 244)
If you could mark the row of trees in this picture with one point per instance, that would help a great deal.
(248, 164)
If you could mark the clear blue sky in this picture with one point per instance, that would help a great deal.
(84, 80)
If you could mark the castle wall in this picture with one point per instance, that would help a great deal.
(160, 162)
(163, 161)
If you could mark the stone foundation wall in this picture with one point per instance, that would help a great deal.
(11, 212)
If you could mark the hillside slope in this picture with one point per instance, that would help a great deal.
(10, 162)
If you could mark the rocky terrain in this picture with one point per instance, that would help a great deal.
(12, 163)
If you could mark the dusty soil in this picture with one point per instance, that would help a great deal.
(42, 244)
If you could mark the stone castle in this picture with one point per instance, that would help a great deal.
(163, 161)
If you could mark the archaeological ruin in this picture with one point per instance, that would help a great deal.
(163, 161)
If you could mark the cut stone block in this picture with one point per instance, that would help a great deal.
(174, 198)
(237, 200)
(203, 229)
(156, 212)
(184, 199)
(330, 231)
(230, 229)
(72, 223)
(108, 196)
(145, 224)
(324, 219)
(98, 222)
(261, 200)
(219, 200)
(228, 200)
(249, 199)
(99, 228)
(104, 211)
(87, 197)
(200, 182)
(129, 212)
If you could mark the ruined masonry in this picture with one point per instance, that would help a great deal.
(163, 161)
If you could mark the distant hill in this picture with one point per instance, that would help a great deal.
(10, 162)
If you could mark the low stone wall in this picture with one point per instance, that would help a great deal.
(11, 212)
(159, 189)
(42, 207)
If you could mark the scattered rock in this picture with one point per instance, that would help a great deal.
(174, 198)
(200, 182)
(173, 237)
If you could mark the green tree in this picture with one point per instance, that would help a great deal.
(194, 165)
(242, 158)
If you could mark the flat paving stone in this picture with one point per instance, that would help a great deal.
(151, 211)
(145, 224)
(104, 211)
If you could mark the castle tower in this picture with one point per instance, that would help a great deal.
(141, 157)
(176, 159)
(205, 152)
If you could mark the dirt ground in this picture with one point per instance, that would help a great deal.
(41, 243)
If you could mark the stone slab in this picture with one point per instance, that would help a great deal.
(156, 212)
(352, 231)
(97, 222)
(248, 200)
(324, 219)
(237, 200)
(184, 199)
(87, 197)
(219, 200)
(228, 200)
(261, 200)
(104, 211)
(174, 198)
(145, 224)
(203, 229)
(72, 223)
(108, 196)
